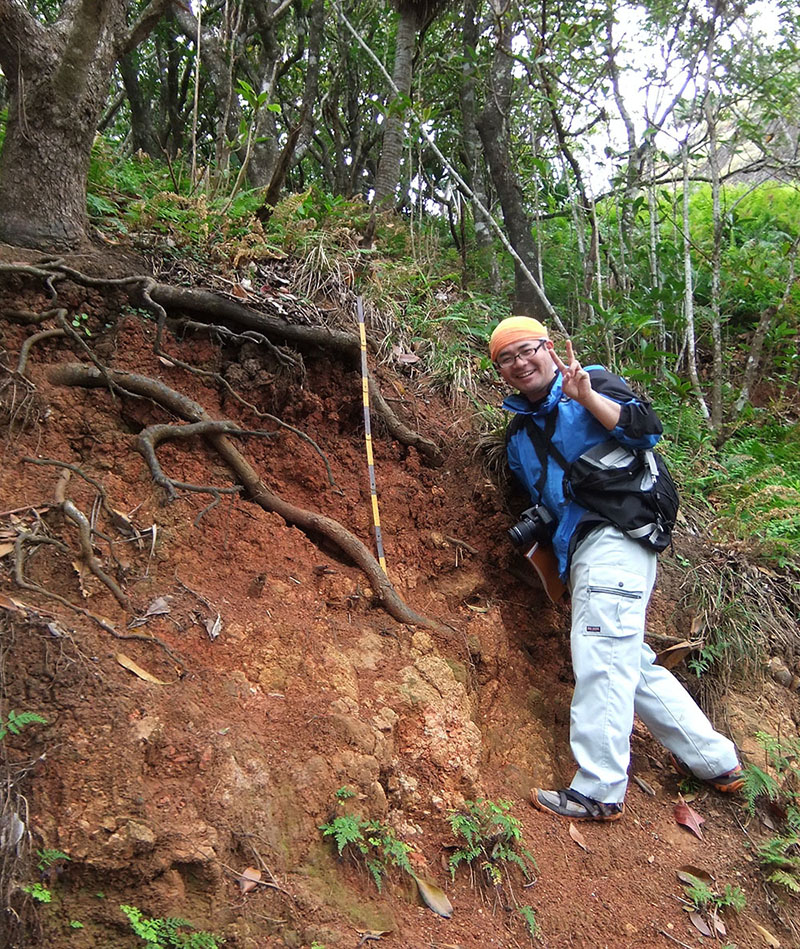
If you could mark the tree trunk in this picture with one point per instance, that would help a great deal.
(143, 134)
(58, 77)
(493, 127)
(388, 174)
(470, 143)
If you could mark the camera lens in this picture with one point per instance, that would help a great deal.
(523, 533)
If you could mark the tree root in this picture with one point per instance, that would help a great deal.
(85, 535)
(22, 583)
(209, 306)
(90, 377)
(30, 342)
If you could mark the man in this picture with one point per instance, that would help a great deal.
(610, 578)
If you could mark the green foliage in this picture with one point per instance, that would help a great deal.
(38, 891)
(75, 924)
(168, 933)
(80, 321)
(492, 839)
(532, 923)
(369, 842)
(708, 900)
(16, 721)
(780, 855)
(48, 857)
(343, 794)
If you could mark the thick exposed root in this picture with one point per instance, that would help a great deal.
(76, 374)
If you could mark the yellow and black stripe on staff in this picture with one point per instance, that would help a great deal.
(376, 519)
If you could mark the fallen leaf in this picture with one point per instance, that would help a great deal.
(674, 655)
(577, 836)
(698, 625)
(213, 627)
(766, 935)
(239, 291)
(158, 607)
(700, 924)
(166, 362)
(643, 785)
(435, 898)
(719, 926)
(131, 666)
(476, 609)
(5, 549)
(688, 817)
(80, 568)
(249, 879)
(11, 830)
(9, 603)
(690, 875)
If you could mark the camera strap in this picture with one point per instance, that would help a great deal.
(542, 441)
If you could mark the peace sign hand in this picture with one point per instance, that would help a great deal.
(575, 381)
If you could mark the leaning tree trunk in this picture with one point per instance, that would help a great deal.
(58, 77)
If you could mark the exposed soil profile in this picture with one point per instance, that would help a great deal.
(282, 677)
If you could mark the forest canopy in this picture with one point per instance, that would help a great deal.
(625, 171)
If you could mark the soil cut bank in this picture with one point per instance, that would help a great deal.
(281, 678)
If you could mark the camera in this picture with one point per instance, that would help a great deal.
(536, 524)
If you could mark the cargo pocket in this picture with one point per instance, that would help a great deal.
(615, 602)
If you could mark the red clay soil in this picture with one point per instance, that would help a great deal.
(281, 680)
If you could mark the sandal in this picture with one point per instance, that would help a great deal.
(728, 783)
(574, 805)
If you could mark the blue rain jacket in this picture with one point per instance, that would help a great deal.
(576, 431)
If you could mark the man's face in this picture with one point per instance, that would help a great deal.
(532, 370)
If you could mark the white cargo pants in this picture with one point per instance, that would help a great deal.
(611, 579)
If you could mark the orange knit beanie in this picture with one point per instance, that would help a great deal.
(514, 329)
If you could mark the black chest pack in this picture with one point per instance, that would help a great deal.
(630, 487)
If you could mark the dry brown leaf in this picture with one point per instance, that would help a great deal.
(577, 836)
(166, 362)
(128, 663)
(700, 924)
(675, 654)
(766, 935)
(5, 549)
(9, 603)
(249, 879)
(697, 627)
(80, 568)
(435, 898)
(688, 817)
(690, 875)
(719, 926)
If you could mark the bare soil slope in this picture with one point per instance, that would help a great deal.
(281, 679)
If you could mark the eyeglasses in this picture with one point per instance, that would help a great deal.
(524, 352)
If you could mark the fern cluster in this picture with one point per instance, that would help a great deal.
(780, 855)
(169, 932)
(492, 838)
(370, 842)
(16, 721)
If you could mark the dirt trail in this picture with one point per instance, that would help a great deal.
(283, 681)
